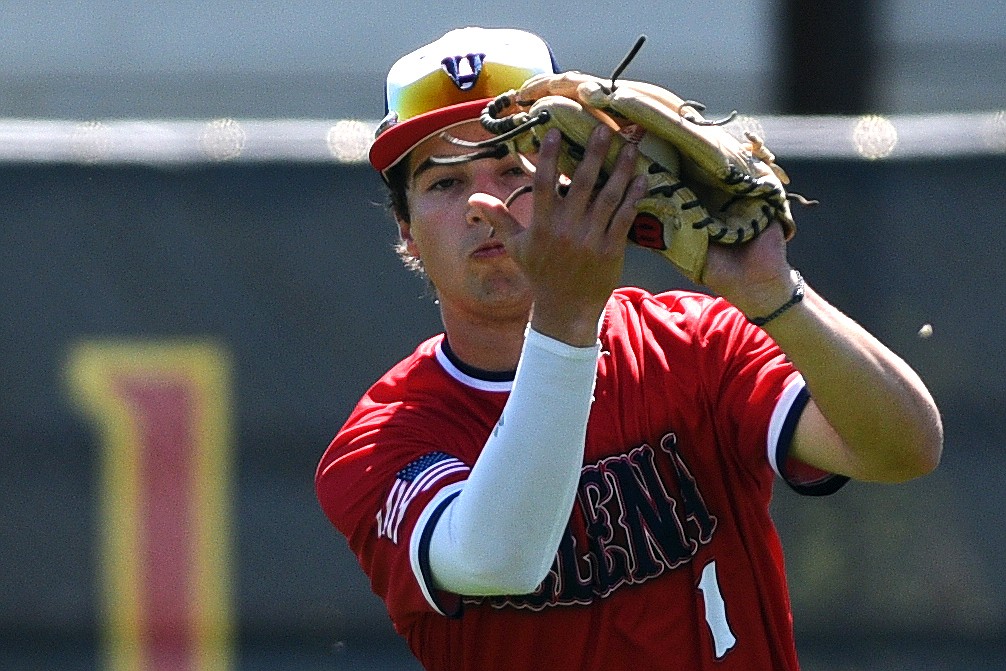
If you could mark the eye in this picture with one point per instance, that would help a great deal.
(443, 184)
(514, 172)
(514, 169)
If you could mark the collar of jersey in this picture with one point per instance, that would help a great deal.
(485, 380)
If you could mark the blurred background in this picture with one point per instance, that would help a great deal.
(198, 283)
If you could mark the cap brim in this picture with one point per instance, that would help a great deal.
(390, 146)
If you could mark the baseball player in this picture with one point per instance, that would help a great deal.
(576, 476)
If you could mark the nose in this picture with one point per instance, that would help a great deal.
(473, 217)
(476, 215)
(488, 183)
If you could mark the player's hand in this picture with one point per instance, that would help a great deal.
(755, 277)
(573, 249)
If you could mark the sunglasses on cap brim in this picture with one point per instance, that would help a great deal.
(435, 91)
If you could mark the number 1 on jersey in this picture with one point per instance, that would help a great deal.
(716, 611)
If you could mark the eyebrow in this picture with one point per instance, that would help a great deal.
(421, 168)
(499, 152)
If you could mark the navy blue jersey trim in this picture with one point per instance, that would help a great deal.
(454, 610)
(472, 371)
(823, 487)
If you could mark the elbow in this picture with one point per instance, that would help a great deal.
(922, 463)
(520, 584)
(506, 573)
(918, 456)
(929, 446)
(525, 574)
(908, 444)
(928, 454)
(921, 442)
(477, 562)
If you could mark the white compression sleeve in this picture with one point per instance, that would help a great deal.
(501, 533)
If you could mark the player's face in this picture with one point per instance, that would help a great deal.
(470, 269)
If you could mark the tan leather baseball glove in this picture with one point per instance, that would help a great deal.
(705, 185)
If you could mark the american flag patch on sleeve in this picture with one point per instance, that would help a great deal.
(418, 476)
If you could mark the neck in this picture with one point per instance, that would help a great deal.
(492, 344)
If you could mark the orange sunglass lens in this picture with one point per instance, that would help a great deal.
(437, 89)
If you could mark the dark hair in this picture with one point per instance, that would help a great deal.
(396, 179)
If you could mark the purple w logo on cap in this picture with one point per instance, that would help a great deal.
(464, 78)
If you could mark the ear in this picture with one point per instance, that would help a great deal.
(405, 233)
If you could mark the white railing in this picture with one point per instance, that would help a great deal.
(186, 142)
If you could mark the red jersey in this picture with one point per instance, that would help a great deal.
(670, 559)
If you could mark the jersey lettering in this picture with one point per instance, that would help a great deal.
(716, 611)
(643, 515)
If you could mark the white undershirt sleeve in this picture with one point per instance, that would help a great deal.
(500, 534)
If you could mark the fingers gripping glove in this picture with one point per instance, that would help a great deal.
(704, 185)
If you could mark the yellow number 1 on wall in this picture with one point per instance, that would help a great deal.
(162, 412)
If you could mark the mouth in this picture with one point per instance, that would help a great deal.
(489, 249)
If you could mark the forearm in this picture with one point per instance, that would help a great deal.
(501, 533)
(887, 425)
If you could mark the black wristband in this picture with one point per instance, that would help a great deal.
(793, 300)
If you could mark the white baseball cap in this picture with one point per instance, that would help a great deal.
(451, 81)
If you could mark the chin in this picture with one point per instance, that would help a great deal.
(507, 289)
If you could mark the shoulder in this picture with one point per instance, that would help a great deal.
(415, 384)
(696, 333)
(408, 414)
(415, 407)
(383, 404)
(685, 314)
(417, 368)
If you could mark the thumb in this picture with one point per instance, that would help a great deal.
(494, 211)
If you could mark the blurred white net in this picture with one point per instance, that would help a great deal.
(181, 142)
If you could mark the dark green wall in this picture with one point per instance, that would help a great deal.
(290, 268)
